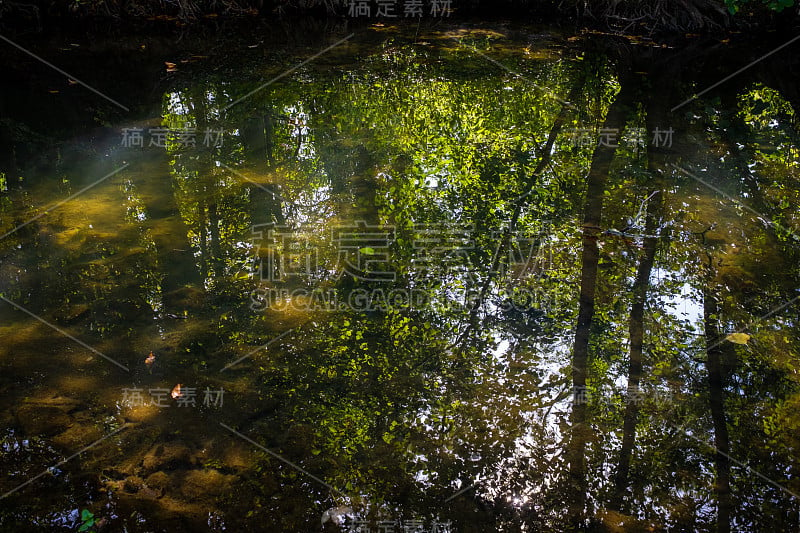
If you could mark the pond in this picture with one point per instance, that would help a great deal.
(399, 278)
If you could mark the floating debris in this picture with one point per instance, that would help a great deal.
(337, 514)
(738, 338)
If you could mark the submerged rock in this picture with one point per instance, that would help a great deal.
(168, 456)
(199, 484)
(44, 420)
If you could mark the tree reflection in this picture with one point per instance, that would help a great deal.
(562, 362)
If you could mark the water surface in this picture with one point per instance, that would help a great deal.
(450, 279)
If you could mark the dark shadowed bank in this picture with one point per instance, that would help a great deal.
(629, 16)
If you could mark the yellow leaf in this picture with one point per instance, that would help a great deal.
(738, 338)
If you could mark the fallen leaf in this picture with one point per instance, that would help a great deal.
(176, 392)
(738, 338)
